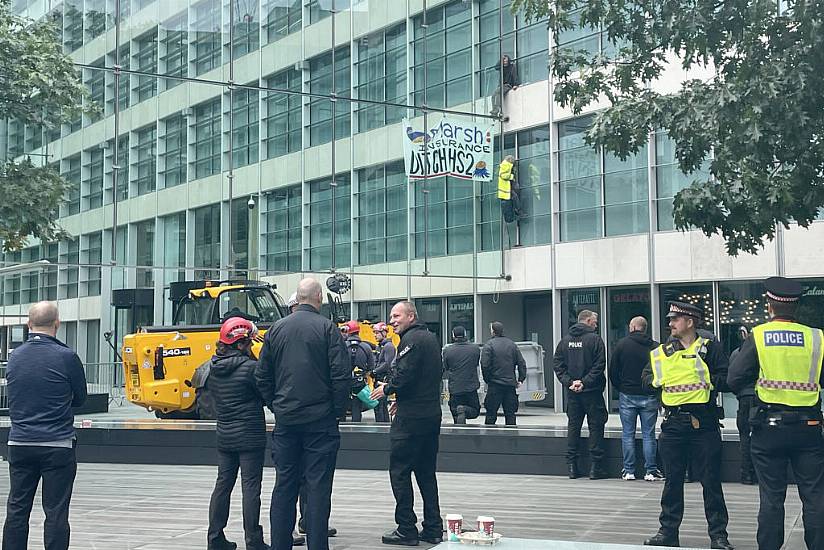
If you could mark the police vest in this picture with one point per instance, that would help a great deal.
(683, 376)
(790, 356)
(504, 181)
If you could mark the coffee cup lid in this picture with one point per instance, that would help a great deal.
(486, 518)
(453, 516)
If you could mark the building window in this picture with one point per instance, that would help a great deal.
(577, 300)
(145, 233)
(92, 343)
(123, 167)
(146, 160)
(15, 132)
(443, 224)
(381, 217)
(321, 9)
(70, 259)
(50, 274)
(173, 159)
(244, 127)
(283, 114)
(92, 257)
(30, 280)
(95, 19)
(93, 184)
(624, 304)
(72, 176)
(125, 88)
(381, 70)
(699, 295)
(11, 283)
(489, 206)
(588, 41)
(282, 230)
(73, 25)
(811, 310)
(320, 109)
(174, 246)
(146, 59)
(239, 234)
(740, 304)
(533, 174)
(247, 29)
(282, 18)
(319, 224)
(430, 313)
(34, 138)
(448, 56)
(96, 84)
(207, 241)
(669, 179)
(206, 26)
(207, 139)
(175, 50)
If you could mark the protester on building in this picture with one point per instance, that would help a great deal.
(783, 359)
(305, 377)
(500, 359)
(509, 81)
(460, 365)
(45, 379)
(746, 402)
(687, 372)
(362, 358)
(626, 363)
(579, 363)
(509, 190)
(241, 433)
(415, 380)
(383, 363)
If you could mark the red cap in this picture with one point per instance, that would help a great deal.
(379, 327)
(352, 327)
(236, 328)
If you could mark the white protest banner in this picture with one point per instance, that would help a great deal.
(453, 147)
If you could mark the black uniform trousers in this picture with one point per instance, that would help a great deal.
(773, 449)
(468, 400)
(57, 467)
(304, 454)
(742, 421)
(381, 410)
(498, 395)
(679, 442)
(250, 464)
(414, 449)
(590, 405)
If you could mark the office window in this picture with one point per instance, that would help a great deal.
(73, 25)
(123, 168)
(488, 204)
(448, 56)
(283, 114)
(72, 176)
(381, 70)
(321, 197)
(30, 281)
(34, 138)
(125, 88)
(146, 160)
(91, 257)
(11, 283)
(669, 179)
(587, 40)
(207, 139)
(533, 175)
(146, 59)
(321, 9)
(207, 241)
(121, 248)
(626, 194)
(320, 109)
(92, 342)
(174, 247)
(381, 220)
(282, 229)
(206, 42)
(96, 84)
(95, 19)
(144, 234)
(76, 123)
(173, 159)
(15, 133)
(245, 127)
(69, 260)
(175, 50)
(93, 184)
(247, 29)
(49, 275)
(699, 295)
(443, 224)
(282, 18)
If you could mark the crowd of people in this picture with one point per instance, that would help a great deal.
(310, 373)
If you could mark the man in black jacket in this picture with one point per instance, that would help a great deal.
(241, 433)
(45, 380)
(746, 403)
(304, 376)
(579, 364)
(630, 356)
(499, 360)
(460, 365)
(415, 380)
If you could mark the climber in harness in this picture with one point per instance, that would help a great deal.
(508, 190)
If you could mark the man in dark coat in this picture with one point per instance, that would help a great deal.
(579, 363)
(241, 433)
(500, 358)
(509, 79)
(460, 365)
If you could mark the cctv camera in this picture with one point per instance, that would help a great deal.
(251, 203)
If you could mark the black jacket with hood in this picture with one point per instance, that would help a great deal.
(499, 359)
(241, 425)
(415, 378)
(581, 355)
(460, 364)
(627, 362)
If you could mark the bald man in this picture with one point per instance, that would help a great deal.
(45, 380)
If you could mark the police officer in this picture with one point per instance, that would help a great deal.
(784, 360)
(688, 371)
(460, 365)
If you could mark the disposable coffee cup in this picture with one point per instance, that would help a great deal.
(454, 525)
(486, 526)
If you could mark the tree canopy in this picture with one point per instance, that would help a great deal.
(756, 120)
(39, 87)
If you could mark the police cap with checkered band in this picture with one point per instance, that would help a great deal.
(678, 309)
(781, 289)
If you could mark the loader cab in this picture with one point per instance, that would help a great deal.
(199, 303)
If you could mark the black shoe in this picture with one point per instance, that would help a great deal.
(432, 539)
(223, 545)
(331, 533)
(597, 473)
(573, 472)
(662, 539)
(748, 479)
(298, 540)
(394, 537)
(722, 543)
(260, 546)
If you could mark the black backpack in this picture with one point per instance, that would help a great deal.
(204, 400)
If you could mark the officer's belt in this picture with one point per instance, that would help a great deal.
(697, 409)
(775, 418)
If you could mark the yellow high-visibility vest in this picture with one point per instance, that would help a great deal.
(790, 356)
(505, 177)
(683, 377)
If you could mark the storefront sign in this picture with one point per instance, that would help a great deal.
(451, 147)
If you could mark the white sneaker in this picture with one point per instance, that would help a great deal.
(654, 476)
(627, 476)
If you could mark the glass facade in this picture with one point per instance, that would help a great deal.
(145, 237)
(145, 167)
(381, 221)
(282, 18)
(283, 117)
(245, 127)
(320, 226)
(207, 241)
(173, 158)
(320, 109)
(207, 139)
(282, 230)
(381, 76)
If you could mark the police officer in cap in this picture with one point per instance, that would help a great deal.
(784, 360)
(688, 371)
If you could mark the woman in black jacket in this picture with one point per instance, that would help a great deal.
(241, 433)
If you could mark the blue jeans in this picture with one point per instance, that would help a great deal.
(629, 408)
